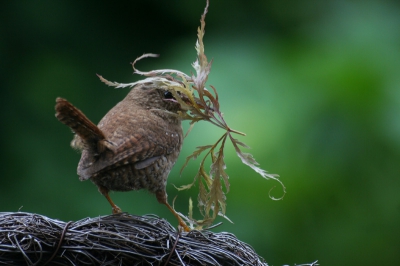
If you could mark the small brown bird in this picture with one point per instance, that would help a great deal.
(133, 147)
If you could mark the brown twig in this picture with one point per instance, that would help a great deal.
(173, 247)
(122, 239)
(59, 242)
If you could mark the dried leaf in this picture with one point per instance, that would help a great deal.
(215, 198)
(184, 187)
(202, 198)
(240, 143)
(194, 155)
(199, 104)
(190, 128)
(249, 160)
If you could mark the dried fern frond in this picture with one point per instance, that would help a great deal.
(200, 104)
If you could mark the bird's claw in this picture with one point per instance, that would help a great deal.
(116, 210)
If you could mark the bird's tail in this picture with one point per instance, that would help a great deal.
(90, 135)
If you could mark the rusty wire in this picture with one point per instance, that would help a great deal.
(123, 239)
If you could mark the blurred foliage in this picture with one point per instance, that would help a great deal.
(314, 84)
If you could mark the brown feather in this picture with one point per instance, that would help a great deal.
(89, 133)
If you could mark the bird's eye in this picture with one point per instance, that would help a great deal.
(168, 95)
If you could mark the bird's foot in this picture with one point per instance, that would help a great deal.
(116, 209)
(183, 225)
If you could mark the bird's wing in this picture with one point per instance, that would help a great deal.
(142, 148)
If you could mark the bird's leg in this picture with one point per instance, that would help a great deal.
(105, 191)
(162, 198)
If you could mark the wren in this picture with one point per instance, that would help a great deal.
(133, 147)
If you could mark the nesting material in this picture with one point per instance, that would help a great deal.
(122, 239)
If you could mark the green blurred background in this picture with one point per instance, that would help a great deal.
(314, 84)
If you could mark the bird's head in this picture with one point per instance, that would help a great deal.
(152, 97)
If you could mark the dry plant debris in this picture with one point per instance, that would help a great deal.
(120, 239)
(200, 104)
